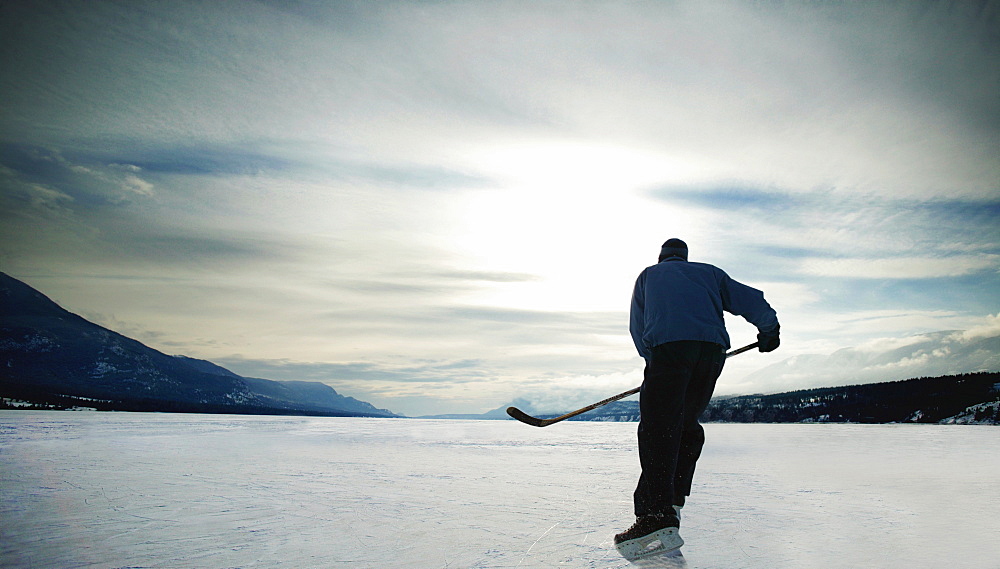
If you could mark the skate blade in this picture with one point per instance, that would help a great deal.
(660, 541)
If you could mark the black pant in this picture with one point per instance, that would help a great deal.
(678, 383)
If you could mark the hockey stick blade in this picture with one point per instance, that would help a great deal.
(526, 418)
(537, 422)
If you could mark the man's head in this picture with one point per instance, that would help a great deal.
(674, 248)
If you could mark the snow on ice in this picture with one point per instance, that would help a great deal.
(110, 490)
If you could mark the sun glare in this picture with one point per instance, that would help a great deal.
(571, 214)
(571, 167)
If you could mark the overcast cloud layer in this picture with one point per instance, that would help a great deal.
(442, 206)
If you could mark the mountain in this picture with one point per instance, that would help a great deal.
(310, 395)
(972, 398)
(500, 413)
(943, 399)
(616, 411)
(55, 358)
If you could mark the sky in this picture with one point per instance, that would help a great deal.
(442, 206)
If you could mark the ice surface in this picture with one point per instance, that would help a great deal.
(178, 491)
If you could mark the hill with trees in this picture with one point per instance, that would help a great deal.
(972, 398)
(51, 358)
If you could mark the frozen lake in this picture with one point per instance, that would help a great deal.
(220, 491)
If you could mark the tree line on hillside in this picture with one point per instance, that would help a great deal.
(920, 400)
(30, 398)
(975, 397)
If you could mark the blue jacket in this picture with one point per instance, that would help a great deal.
(678, 300)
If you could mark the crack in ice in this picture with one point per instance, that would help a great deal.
(525, 556)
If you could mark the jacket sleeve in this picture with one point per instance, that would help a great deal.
(637, 315)
(748, 302)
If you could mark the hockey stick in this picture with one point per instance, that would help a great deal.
(536, 422)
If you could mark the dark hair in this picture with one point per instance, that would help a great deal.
(674, 247)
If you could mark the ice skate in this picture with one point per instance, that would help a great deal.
(649, 535)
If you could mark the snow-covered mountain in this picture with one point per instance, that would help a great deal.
(49, 355)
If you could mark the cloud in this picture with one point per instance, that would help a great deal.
(808, 221)
(137, 185)
(262, 158)
(901, 267)
(204, 159)
(469, 379)
(488, 276)
(421, 80)
(29, 200)
(587, 322)
(883, 359)
(562, 394)
(733, 196)
(988, 328)
(846, 239)
(482, 354)
(405, 384)
(412, 371)
(80, 183)
(192, 247)
(366, 184)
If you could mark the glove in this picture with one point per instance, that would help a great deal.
(768, 340)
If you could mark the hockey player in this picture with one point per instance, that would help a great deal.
(678, 328)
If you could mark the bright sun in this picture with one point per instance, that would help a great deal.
(573, 215)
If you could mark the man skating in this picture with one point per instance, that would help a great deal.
(678, 328)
